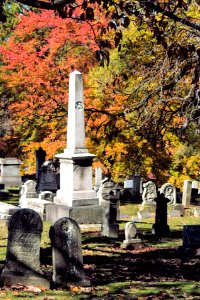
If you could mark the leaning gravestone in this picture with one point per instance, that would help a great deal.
(22, 264)
(67, 256)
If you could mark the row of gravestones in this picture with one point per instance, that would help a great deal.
(149, 192)
(22, 264)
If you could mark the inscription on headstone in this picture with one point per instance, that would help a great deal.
(23, 250)
(67, 256)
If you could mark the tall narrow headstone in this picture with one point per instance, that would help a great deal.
(67, 255)
(161, 228)
(187, 191)
(40, 155)
(22, 264)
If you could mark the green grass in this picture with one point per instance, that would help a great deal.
(122, 274)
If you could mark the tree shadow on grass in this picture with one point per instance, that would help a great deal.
(108, 263)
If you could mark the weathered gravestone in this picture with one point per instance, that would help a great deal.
(28, 190)
(131, 240)
(10, 171)
(67, 256)
(22, 264)
(161, 228)
(187, 192)
(47, 179)
(149, 193)
(110, 228)
(169, 192)
(191, 241)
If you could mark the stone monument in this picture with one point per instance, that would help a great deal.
(76, 197)
(10, 171)
(67, 255)
(22, 264)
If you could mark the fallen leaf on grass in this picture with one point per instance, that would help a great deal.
(80, 289)
(31, 288)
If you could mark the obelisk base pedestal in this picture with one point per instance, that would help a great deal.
(91, 214)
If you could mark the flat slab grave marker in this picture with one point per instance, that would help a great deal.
(22, 264)
(67, 255)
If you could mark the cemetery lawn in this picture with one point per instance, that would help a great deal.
(154, 271)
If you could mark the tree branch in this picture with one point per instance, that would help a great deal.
(171, 15)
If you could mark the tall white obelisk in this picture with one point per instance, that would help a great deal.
(76, 163)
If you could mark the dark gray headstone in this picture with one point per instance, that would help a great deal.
(161, 228)
(67, 256)
(47, 179)
(23, 250)
(40, 159)
(191, 236)
(110, 227)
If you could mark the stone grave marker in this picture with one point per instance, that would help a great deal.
(144, 214)
(187, 191)
(10, 171)
(22, 264)
(40, 155)
(191, 236)
(131, 240)
(149, 193)
(47, 180)
(177, 211)
(160, 227)
(110, 228)
(195, 197)
(169, 192)
(67, 255)
(28, 190)
(76, 194)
